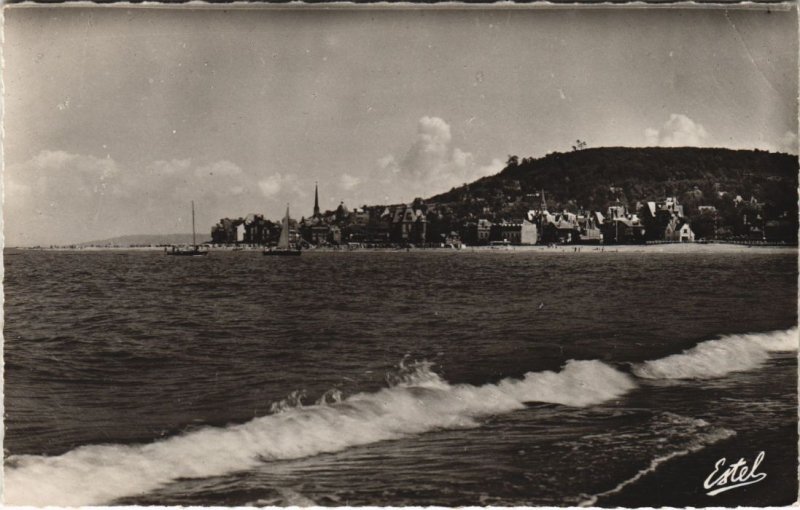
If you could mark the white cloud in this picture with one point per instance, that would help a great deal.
(59, 198)
(181, 180)
(271, 185)
(389, 163)
(348, 182)
(788, 143)
(176, 166)
(220, 168)
(430, 149)
(57, 192)
(492, 168)
(678, 131)
(430, 165)
(288, 185)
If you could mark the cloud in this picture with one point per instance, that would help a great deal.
(788, 143)
(430, 149)
(431, 165)
(678, 131)
(181, 180)
(56, 192)
(58, 197)
(220, 169)
(288, 184)
(176, 166)
(348, 182)
(271, 185)
(389, 163)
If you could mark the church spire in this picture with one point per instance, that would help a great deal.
(316, 199)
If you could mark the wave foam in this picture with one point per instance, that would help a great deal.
(417, 400)
(716, 358)
(420, 401)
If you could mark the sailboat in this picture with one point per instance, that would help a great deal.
(283, 248)
(189, 251)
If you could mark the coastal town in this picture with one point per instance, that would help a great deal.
(609, 196)
(422, 224)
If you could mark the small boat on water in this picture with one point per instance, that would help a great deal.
(284, 248)
(189, 251)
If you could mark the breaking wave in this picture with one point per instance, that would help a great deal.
(417, 401)
(717, 358)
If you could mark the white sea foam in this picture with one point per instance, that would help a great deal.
(294, 498)
(419, 401)
(717, 358)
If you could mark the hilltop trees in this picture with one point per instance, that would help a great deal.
(594, 178)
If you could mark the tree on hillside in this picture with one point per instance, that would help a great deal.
(704, 225)
(579, 145)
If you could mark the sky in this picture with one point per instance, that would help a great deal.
(117, 118)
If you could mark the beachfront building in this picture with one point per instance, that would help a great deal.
(408, 225)
(318, 229)
(315, 231)
(257, 230)
(506, 232)
(679, 233)
(623, 230)
(252, 229)
(476, 233)
(226, 231)
(589, 228)
(662, 219)
(483, 231)
(516, 232)
(294, 232)
(559, 228)
(529, 233)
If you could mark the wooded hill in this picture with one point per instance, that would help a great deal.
(595, 178)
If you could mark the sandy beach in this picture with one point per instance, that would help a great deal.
(641, 248)
(622, 248)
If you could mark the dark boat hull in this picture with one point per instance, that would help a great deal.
(177, 252)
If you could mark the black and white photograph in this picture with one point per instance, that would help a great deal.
(342, 255)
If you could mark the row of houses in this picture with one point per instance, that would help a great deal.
(252, 229)
(659, 221)
(426, 225)
(403, 224)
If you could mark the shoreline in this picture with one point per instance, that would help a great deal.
(679, 481)
(716, 248)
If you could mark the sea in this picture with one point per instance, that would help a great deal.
(396, 378)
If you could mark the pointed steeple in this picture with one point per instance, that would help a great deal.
(316, 200)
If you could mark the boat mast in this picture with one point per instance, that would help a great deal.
(194, 240)
(284, 240)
